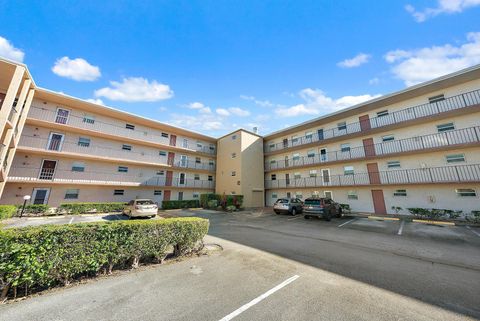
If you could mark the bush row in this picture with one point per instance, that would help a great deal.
(44, 256)
(214, 200)
(438, 213)
(81, 208)
(168, 205)
(7, 211)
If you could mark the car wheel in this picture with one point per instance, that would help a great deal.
(294, 211)
(307, 217)
(328, 215)
(277, 212)
(339, 213)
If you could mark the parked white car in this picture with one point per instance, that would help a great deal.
(141, 208)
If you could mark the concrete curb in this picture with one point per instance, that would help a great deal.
(68, 216)
(433, 222)
(381, 218)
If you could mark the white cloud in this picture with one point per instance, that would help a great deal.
(374, 81)
(317, 103)
(443, 6)
(419, 65)
(97, 101)
(77, 69)
(8, 51)
(222, 112)
(262, 103)
(207, 122)
(200, 107)
(356, 61)
(239, 111)
(135, 89)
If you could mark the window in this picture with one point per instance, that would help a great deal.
(198, 160)
(297, 175)
(165, 135)
(465, 192)
(455, 158)
(234, 155)
(162, 153)
(393, 164)
(271, 146)
(122, 169)
(445, 127)
(211, 162)
(211, 147)
(311, 153)
(127, 147)
(272, 161)
(196, 177)
(388, 138)
(294, 139)
(348, 170)
(199, 145)
(185, 143)
(157, 192)
(71, 194)
(434, 99)
(313, 173)
(130, 126)
(400, 192)
(327, 194)
(180, 196)
(196, 195)
(118, 192)
(89, 119)
(234, 137)
(342, 125)
(299, 195)
(78, 167)
(296, 156)
(273, 177)
(382, 113)
(210, 178)
(274, 195)
(352, 195)
(308, 135)
(345, 147)
(160, 172)
(84, 142)
(233, 173)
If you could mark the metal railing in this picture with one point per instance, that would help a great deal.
(30, 174)
(111, 129)
(420, 111)
(106, 151)
(450, 138)
(446, 174)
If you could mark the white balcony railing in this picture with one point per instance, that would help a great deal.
(111, 129)
(45, 175)
(106, 151)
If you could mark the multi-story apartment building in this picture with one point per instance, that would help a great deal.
(419, 147)
(73, 150)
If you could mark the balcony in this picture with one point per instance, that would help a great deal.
(418, 143)
(47, 175)
(71, 120)
(87, 150)
(421, 111)
(432, 175)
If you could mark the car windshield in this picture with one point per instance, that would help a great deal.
(312, 202)
(145, 202)
(282, 201)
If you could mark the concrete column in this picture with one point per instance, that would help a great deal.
(11, 95)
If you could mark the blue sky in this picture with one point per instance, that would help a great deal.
(214, 66)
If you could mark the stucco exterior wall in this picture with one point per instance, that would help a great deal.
(252, 170)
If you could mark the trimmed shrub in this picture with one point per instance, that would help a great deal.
(345, 208)
(231, 208)
(168, 205)
(82, 208)
(44, 256)
(213, 204)
(7, 211)
(34, 208)
(205, 199)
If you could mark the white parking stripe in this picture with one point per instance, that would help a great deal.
(400, 230)
(294, 218)
(260, 298)
(476, 233)
(347, 222)
(71, 220)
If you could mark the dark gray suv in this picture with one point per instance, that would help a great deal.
(321, 207)
(291, 206)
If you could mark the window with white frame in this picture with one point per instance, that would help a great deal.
(157, 192)
(388, 138)
(272, 161)
(185, 143)
(310, 153)
(210, 178)
(328, 194)
(466, 192)
(122, 169)
(118, 192)
(342, 125)
(297, 175)
(400, 192)
(313, 173)
(308, 135)
(352, 195)
(83, 142)
(196, 195)
(160, 173)
(127, 147)
(233, 173)
(165, 135)
(199, 145)
(445, 127)
(72, 194)
(271, 146)
(273, 177)
(348, 170)
(162, 153)
(274, 195)
(78, 167)
(234, 137)
(345, 147)
(393, 164)
(296, 156)
(130, 126)
(455, 158)
(89, 119)
(180, 196)
(196, 177)
(382, 113)
(294, 139)
(198, 160)
(435, 99)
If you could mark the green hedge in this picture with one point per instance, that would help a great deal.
(168, 205)
(34, 208)
(44, 256)
(81, 208)
(223, 200)
(7, 211)
(206, 198)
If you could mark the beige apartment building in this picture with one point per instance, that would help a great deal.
(418, 147)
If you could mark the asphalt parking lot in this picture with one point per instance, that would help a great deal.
(278, 267)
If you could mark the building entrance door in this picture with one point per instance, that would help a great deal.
(379, 201)
(40, 195)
